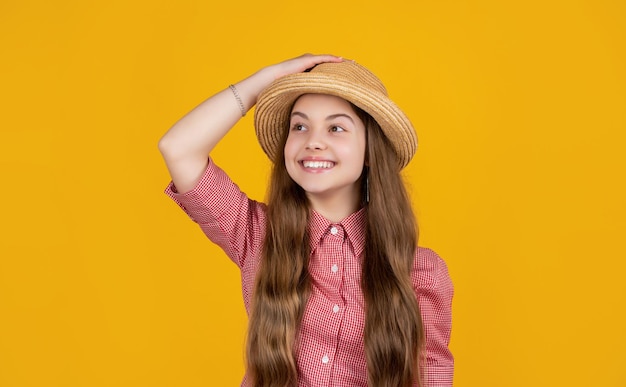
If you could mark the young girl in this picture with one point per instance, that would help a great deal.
(336, 289)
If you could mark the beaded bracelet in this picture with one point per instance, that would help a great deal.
(241, 107)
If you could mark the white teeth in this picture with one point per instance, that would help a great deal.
(317, 164)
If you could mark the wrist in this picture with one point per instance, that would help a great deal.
(235, 92)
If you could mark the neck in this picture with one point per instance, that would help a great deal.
(336, 207)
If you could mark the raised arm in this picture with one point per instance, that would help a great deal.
(186, 146)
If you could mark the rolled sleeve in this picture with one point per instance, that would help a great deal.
(435, 291)
(209, 198)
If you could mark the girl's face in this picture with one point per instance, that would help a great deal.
(325, 148)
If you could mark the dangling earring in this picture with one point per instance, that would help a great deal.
(367, 187)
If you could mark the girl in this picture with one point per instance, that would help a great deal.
(337, 291)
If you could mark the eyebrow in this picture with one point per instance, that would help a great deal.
(329, 118)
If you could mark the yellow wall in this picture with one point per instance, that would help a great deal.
(519, 180)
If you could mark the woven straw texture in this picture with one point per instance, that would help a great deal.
(347, 80)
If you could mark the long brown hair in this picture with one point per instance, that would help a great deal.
(393, 332)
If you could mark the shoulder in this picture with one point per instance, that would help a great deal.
(430, 270)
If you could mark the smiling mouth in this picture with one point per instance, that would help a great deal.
(317, 164)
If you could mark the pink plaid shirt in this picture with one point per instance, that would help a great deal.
(331, 348)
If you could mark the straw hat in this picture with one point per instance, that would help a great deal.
(347, 80)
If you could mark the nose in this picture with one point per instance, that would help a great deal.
(315, 141)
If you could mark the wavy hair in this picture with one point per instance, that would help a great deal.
(393, 333)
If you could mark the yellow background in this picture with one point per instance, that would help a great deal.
(520, 108)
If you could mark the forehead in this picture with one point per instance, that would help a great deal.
(322, 101)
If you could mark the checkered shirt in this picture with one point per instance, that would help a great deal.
(331, 348)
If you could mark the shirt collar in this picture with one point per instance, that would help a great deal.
(353, 225)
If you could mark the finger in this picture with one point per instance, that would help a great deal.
(302, 63)
(313, 60)
(327, 58)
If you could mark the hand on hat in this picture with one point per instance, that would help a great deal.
(299, 64)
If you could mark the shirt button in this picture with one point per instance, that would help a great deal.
(336, 308)
(334, 231)
(334, 269)
(325, 359)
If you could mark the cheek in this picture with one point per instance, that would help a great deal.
(290, 148)
(356, 152)
(291, 153)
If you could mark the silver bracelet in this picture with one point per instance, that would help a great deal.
(241, 107)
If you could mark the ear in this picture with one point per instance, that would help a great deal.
(367, 144)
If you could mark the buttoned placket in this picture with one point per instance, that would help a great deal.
(337, 236)
(323, 326)
(334, 268)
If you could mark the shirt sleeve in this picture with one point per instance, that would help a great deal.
(435, 290)
(225, 214)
